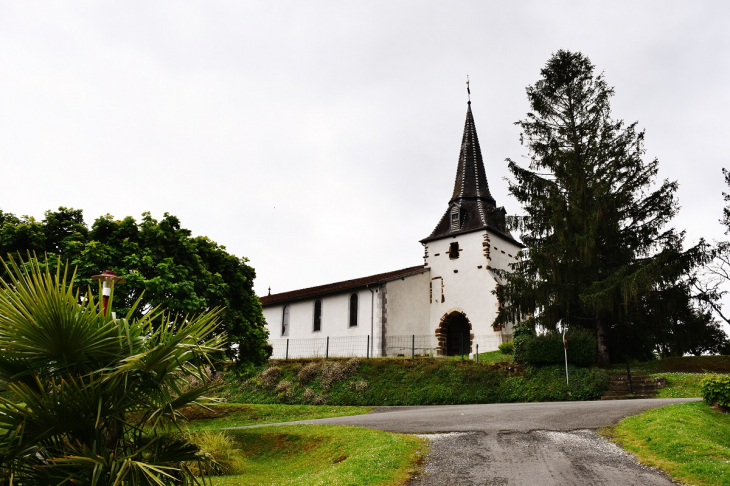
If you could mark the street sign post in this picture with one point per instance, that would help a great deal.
(565, 349)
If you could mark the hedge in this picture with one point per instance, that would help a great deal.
(716, 389)
(522, 336)
(548, 348)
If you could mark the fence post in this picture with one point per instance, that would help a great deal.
(413, 347)
(327, 349)
(477, 354)
(367, 351)
(462, 347)
(287, 349)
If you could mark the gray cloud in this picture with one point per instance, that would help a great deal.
(320, 139)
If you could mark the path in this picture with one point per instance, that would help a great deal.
(518, 443)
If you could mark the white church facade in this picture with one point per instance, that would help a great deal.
(444, 307)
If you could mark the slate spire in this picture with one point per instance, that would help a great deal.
(471, 179)
(471, 206)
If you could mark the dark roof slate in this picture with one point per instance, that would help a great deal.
(471, 179)
(471, 198)
(340, 286)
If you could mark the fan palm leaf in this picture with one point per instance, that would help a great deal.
(92, 396)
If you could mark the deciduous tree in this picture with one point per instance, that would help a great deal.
(162, 262)
(711, 282)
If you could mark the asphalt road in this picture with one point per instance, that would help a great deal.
(518, 444)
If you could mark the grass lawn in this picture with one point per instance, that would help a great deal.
(494, 357)
(690, 441)
(680, 385)
(237, 415)
(323, 455)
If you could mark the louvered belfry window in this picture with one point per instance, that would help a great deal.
(317, 315)
(353, 310)
(455, 223)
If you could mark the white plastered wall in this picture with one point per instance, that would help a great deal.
(407, 310)
(467, 282)
(345, 340)
(502, 252)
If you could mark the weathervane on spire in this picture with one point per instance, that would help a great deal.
(468, 91)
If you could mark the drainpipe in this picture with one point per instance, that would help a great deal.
(372, 307)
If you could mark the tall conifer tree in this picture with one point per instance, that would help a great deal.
(598, 252)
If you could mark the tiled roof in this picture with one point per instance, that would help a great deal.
(340, 286)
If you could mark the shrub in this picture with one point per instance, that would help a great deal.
(209, 375)
(285, 390)
(218, 450)
(359, 386)
(507, 347)
(308, 372)
(522, 335)
(716, 389)
(547, 383)
(94, 396)
(313, 397)
(270, 377)
(548, 348)
(334, 372)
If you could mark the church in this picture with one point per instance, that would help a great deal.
(444, 307)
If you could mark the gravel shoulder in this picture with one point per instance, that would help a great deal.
(540, 457)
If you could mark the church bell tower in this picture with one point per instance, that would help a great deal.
(470, 239)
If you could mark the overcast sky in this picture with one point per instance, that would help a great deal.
(320, 139)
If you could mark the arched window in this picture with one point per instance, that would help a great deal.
(353, 310)
(285, 321)
(317, 315)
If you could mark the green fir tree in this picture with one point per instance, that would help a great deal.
(599, 253)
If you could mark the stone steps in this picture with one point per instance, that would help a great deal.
(642, 386)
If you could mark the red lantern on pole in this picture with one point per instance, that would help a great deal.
(108, 280)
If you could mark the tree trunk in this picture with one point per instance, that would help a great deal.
(603, 357)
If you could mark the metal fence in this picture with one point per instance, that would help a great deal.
(408, 346)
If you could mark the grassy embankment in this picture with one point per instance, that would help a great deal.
(240, 415)
(300, 454)
(690, 441)
(399, 381)
(323, 455)
(683, 375)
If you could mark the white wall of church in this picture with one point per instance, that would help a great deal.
(467, 282)
(407, 310)
(345, 340)
(502, 252)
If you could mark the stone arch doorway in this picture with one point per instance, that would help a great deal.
(454, 334)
